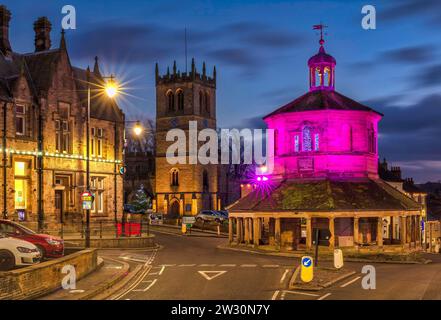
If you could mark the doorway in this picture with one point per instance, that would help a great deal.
(59, 205)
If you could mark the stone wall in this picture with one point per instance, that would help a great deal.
(41, 279)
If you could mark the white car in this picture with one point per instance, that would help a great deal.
(14, 253)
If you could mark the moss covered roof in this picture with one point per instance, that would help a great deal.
(327, 195)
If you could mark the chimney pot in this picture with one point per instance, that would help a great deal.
(42, 28)
(5, 17)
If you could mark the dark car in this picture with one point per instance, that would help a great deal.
(223, 213)
(49, 246)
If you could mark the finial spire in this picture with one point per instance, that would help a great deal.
(96, 67)
(320, 27)
(204, 69)
(63, 39)
(174, 67)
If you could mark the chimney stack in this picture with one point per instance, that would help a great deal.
(5, 17)
(42, 28)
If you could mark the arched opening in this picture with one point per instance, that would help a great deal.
(318, 77)
(170, 101)
(180, 94)
(307, 139)
(327, 77)
(174, 177)
(207, 103)
(173, 211)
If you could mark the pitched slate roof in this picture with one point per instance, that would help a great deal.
(322, 100)
(101, 107)
(41, 66)
(327, 195)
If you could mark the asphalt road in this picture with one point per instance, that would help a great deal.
(192, 267)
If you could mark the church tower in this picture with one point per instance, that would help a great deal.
(184, 189)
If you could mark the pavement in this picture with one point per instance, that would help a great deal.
(194, 267)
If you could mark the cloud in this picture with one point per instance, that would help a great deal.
(411, 55)
(428, 9)
(429, 76)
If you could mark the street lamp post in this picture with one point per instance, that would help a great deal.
(111, 90)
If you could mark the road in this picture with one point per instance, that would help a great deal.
(193, 268)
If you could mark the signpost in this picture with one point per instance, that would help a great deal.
(322, 236)
(307, 269)
(87, 200)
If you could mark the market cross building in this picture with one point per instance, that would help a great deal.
(325, 176)
(43, 107)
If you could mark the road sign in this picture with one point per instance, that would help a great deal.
(87, 200)
(210, 275)
(338, 259)
(188, 220)
(307, 269)
(122, 170)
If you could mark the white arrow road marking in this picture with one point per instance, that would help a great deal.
(206, 275)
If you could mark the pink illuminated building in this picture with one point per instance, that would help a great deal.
(325, 176)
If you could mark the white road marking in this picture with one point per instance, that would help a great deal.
(301, 293)
(227, 265)
(206, 265)
(150, 285)
(187, 265)
(270, 266)
(147, 281)
(349, 282)
(276, 293)
(248, 265)
(76, 291)
(167, 265)
(324, 297)
(206, 275)
(284, 276)
(162, 270)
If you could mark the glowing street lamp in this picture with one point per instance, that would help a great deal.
(111, 88)
(137, 129)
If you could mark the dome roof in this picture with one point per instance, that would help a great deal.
(322, 57)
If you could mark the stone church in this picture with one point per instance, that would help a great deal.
(184, 189)
(43, 105)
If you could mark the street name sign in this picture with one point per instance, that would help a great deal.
(87, 200)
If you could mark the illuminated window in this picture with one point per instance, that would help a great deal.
(20, 185)
(296, 143)
(62, 136)
(96, 142)
(316, 142)
(307, 139)
(97, 188)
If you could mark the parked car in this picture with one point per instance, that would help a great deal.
(156, 218)
(210, 216)
(49, 246)
(15, 252)
(223, 213)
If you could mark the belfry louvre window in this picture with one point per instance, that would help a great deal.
(180, 100)
(174, 177)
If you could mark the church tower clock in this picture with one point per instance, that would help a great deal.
(184, 189)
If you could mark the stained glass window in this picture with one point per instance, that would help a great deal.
(316, 142)
(307, 139)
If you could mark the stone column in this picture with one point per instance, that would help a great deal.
(277, 233)
(356, 230)
(247, 231)
(239, 227)
(308, 233)
(391, 230)
(380, 231)
(403, 231)
(256, 233)
(430, 237)
(332, 230)
(250, 227)
(230, 230)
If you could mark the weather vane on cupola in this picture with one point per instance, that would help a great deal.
(321, 66)
(320, 27)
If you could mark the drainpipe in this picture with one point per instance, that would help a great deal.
(115, 168)
(5, 161)
(40, 169)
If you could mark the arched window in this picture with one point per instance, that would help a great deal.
(180, 94)
(318, 77)
(201, 101)
(327, 77)
(207, 102)
(174, 177)
(171, 101)
(205, 183)
(307, 139)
